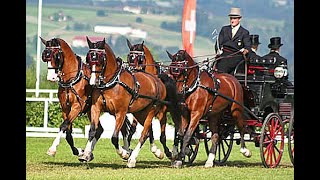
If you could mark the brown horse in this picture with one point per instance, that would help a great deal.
(206, 96)
(141, 59)
(74, 90)
(119, 91)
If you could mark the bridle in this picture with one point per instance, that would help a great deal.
(53, 53)
(97, 57)
(136, 60)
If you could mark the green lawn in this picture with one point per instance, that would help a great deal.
(108, 165)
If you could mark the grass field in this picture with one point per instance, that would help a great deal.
(108, 165)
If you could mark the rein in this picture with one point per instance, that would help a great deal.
(69, 85)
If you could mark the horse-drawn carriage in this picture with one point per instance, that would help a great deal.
(269, 104)
(205, 96)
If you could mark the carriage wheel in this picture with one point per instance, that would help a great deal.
(291, 140)
(224, 145)
(272, 140)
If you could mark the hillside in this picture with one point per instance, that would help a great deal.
(159, 39)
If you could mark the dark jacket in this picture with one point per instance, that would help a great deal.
(239, 41)
(275, 56)
(252, 56)
(279, 60)
(229, 59)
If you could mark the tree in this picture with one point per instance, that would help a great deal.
(139, 20)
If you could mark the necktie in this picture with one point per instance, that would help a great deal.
(233, 32)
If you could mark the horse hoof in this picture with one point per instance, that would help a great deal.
(169, 155)
(176, 164)
(125, 156)
(86, 157)
(51, 153)
(80, 152)
(246, 152)
(208, 164)
(161, 155)
(131, 163)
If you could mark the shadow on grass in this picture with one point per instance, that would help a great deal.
(92, 165)
(160, 164)
(239, 164)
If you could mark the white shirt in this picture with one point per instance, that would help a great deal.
(235, 29)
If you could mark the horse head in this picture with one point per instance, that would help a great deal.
(180, 64)
(96, 59)
(136, 57)
(53, 56)
(101, 60)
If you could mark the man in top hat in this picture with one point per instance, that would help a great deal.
(275, 44)
(233, 41)
(252, 55)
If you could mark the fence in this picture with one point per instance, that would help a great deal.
(107, 121)
(45, 131)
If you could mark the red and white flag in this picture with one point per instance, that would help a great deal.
(189, 25)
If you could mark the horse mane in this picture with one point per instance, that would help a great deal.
(109, 52)
(150, 62)
(67, 51)
(187, 57)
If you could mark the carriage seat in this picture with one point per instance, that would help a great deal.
(257, 70)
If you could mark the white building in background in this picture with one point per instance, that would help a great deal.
(125, 31)
(132, 9)
(81, 41)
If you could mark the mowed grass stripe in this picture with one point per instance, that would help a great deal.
(108, 165)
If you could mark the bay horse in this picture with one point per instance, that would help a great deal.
(140, 58)
(74, 92)
(119, 91)
(206, 96)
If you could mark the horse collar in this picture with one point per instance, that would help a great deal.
(75, 80)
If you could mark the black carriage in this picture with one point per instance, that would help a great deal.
(269, 104)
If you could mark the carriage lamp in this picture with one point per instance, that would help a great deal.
(280, 72)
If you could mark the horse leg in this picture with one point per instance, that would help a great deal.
(123, 153)
(127, 130)
(69, 138)
(213, 126)
(146, 127)
(237, 115)
(153, 147)
(163, 138)
(195, 117)
(132, 130)
(94, 134)
(53, 149)
(175, 146)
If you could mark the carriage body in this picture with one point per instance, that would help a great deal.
(271, 102)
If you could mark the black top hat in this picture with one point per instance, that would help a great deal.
(275, 42)
(254, 39)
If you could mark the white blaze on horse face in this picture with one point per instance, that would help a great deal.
(51, 75)
(93, 75)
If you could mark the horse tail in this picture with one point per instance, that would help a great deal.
(172, 97)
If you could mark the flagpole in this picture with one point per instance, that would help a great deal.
(38, 48)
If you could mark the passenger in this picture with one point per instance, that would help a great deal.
(233, 41)
(252, 55)
(280, 63)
